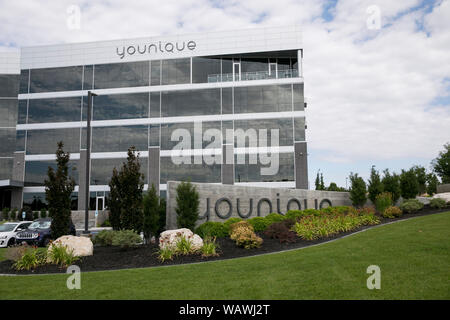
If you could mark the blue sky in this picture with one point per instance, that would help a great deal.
(375, 96)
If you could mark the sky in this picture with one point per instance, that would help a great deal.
(377, 73)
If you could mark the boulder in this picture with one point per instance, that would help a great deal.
(169, 238)
(81, 246)
(444, 195)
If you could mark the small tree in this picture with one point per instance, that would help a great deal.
(151, 213)
(317, 182)
(13, 214)
(408, 184)
(421, 177)
(375, 186)
(322, 185)
(441, 165)
(391, 183)
(357, 190)
(432, 182)
(5, 213)
(43, 213)
(58, 188)
(187, 205)
(162, 215)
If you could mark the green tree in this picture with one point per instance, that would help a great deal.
(391, 183)
(357, 190)
(151, 213)
(375, 186)
(408, 184)
(441, 165)
(126, 193)
(421, 176)
(187, 205)
(322, 184)
(58, 188)
(5, 213)
(162, 215)
(432, 182)
(333, 187)
(317, 182)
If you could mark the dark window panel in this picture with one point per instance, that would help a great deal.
(8, 112)
(190, 102)
(263, 99)
(284, 127)
(36, 172)
(8, 142)
(111, 139)
(227, 65)
(24, 79)
(35, 200)
(9, 85)
(254, 64)
(45, 141)
(227, 125)
(120, 75)
(155, 104)
(87, 77)
(102, 169)
(204, 67)
(299, 125)
(155, 72)
(189, 172)
(252, 172)
(227, 100)
(155, 132)
(56, 79)
(176, 71)
(20, 140)
(22, 112)
(299, 100)
(6, 165)
(54, 110)
(121, 106)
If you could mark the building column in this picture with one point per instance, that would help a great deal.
(301, 165)
(81, 168)
(18, 175)
(227, 169)
(153, 167)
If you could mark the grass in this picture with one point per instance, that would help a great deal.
(414, 257)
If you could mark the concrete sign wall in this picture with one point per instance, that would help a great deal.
(220, 202)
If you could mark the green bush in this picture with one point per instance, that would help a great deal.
(209, 248)
(166, 253)
(31, 259)
(184, 246)
(259, 224)
(126, 239)
(61, 255)
(212, 229)
(274, 217)
(5, 213)
(244, 236)
(106, 224)
(392, 212)
(43, 213)
(409, 184)
(437, 203)
(13, 214)
(357, 190)
(104, 238)
(187, 205)
(383, 201)
(229, 222)
(35, 215)
(411, 205)
(311, 212)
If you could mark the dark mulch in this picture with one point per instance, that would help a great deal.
(114, 258)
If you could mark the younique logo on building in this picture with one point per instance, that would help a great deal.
(159, 47)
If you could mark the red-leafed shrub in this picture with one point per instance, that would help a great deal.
(282, 231)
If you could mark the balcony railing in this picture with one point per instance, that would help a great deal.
(261, 75)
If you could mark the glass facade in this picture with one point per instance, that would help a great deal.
(120, 75)
(36, 171)
(54, 110)
(56, 79)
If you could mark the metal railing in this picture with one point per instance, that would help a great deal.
(260, 75)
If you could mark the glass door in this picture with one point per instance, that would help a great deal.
(236, 71)
(273, 70)
(100, 203)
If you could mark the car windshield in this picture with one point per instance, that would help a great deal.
(40, 225)
(6, 227)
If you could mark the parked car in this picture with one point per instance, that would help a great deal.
(39, 232)
(9, 230)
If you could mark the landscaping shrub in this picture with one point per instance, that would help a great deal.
(274, 217)
(392, 212)
(43, 213)
(281, 231)
(5, 213)
(35, 215)
(391, 183)
(104, 238)
(229, 222)
(31, 258)
(375, 186)
(126, 239)
(357, 190)
(212, 229)
(337, 210)
(61, 255)
(166, 253)
(13, 214)
(409, 184)
(383, 201)
(240, 224)
(411, 205)
(209, 248)
(105, 224)
(365, 211)
(311, 212)
(184, 246)
(14, 253)
(259, 224)
(294, 214)
(187, 205)
(151, 213)
(244, 236)
(437, 203)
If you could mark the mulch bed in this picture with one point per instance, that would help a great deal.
(114, 258)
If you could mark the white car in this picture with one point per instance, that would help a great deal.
(8, 232)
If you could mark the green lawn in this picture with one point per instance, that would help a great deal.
(414, 257)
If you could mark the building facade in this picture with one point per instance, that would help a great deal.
(157, 94)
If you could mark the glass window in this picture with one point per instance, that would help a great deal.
(156, 73)
(56, 79)
(298, 97)
(155, 132)
(36, 201)
(168, 129)
(54, 110)
(46, 141)
(204, 67)
(8, 112)
(88, 77)
(24, 77)
(22, 112)
(227, 125)
(254, 64)
(8, 139)
(120, 75)
(6, 165)
(299, 125)
(227, 100)
(20, 140)
(249, 127)
(189, 172)
(121, 106)
(102, 169)
(9, 85)
(155, 105)
(175, 71)
(36, 172)
(227, 66)
(263, 99)
(252, 172)
(114, 139)
(190, 102)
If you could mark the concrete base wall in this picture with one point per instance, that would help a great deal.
(221, 202)
(78, 218)
(443, 188)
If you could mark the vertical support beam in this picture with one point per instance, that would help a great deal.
(153, 167)
(301, 165)
(227, 164)
(81, 168)
(18, 175)
(300, 62)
